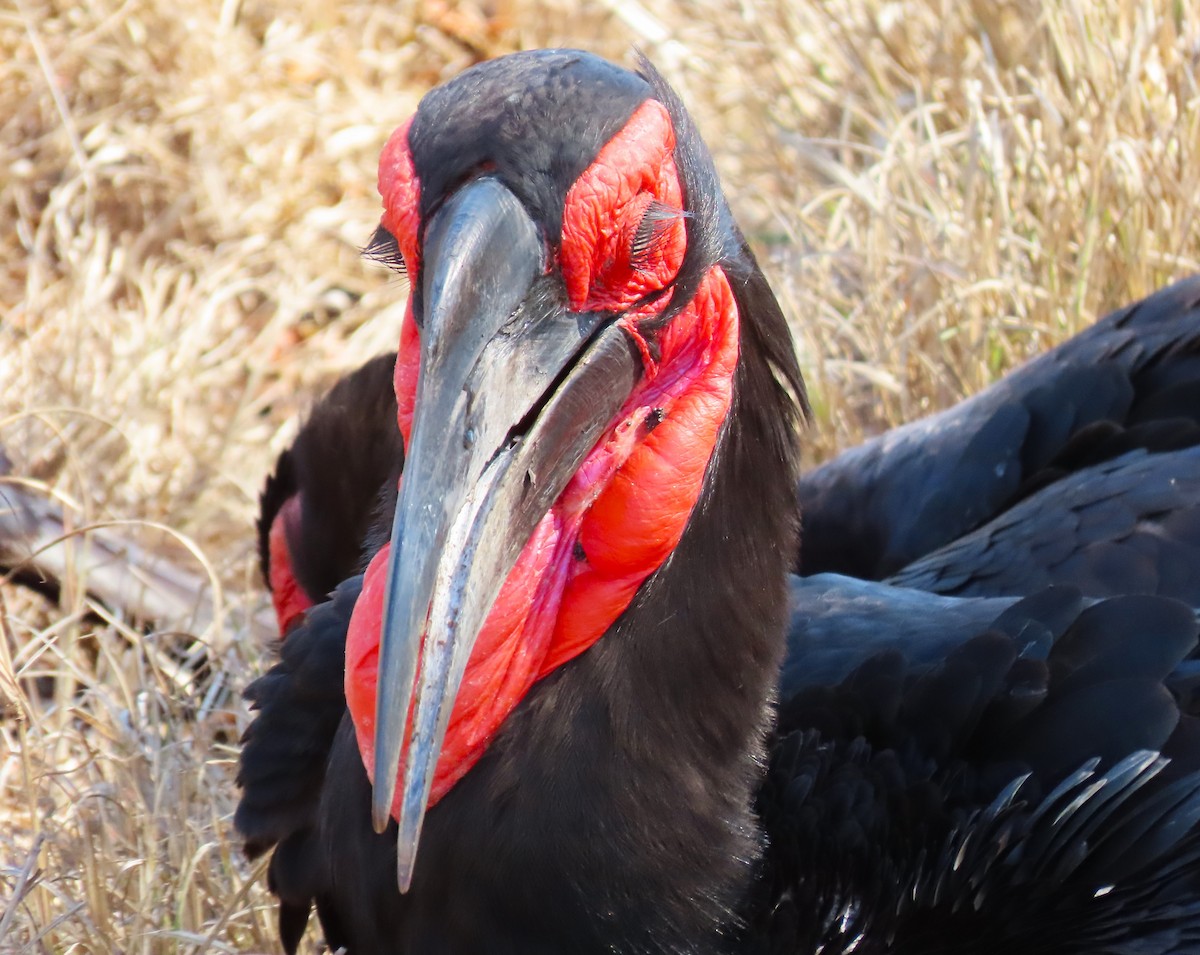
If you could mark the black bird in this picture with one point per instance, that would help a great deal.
(1130, 382)
(588, 563)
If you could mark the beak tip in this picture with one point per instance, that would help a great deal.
(381, 807)
(404, 874)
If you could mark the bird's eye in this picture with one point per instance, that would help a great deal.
(385, 249)
(652, 233)
(623, 235)
(395, 241)
(636, 253)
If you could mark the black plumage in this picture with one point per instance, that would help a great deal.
(1129, 382)
(971, 770)
(1130, 525)
(981, 775)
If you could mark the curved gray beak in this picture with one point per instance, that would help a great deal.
(514, 390)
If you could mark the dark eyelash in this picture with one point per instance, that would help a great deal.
(384, 249)
(646, 236)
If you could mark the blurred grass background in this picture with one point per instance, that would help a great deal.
(937, 190)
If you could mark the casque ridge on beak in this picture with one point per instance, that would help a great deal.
(514, 390)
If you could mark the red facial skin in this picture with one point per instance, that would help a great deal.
(289, 598)
(604, 208)
(625, 510)
(401, 193)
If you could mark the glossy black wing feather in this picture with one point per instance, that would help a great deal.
(1131, 525)
(1094, 867)
(1128, 382)
(837, 623)
(992, 785)
(1103, 441)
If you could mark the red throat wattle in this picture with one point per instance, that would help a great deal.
(625, 509)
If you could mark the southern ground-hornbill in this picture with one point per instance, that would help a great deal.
(579, 600)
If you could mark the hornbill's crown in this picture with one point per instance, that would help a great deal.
(536, 120)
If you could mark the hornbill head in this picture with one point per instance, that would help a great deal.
(566, 367)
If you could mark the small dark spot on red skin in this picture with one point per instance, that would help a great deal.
(654, 419)
(579, 552)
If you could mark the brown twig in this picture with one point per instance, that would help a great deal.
(123, 576)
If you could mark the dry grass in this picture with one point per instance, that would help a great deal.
(938, 189)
